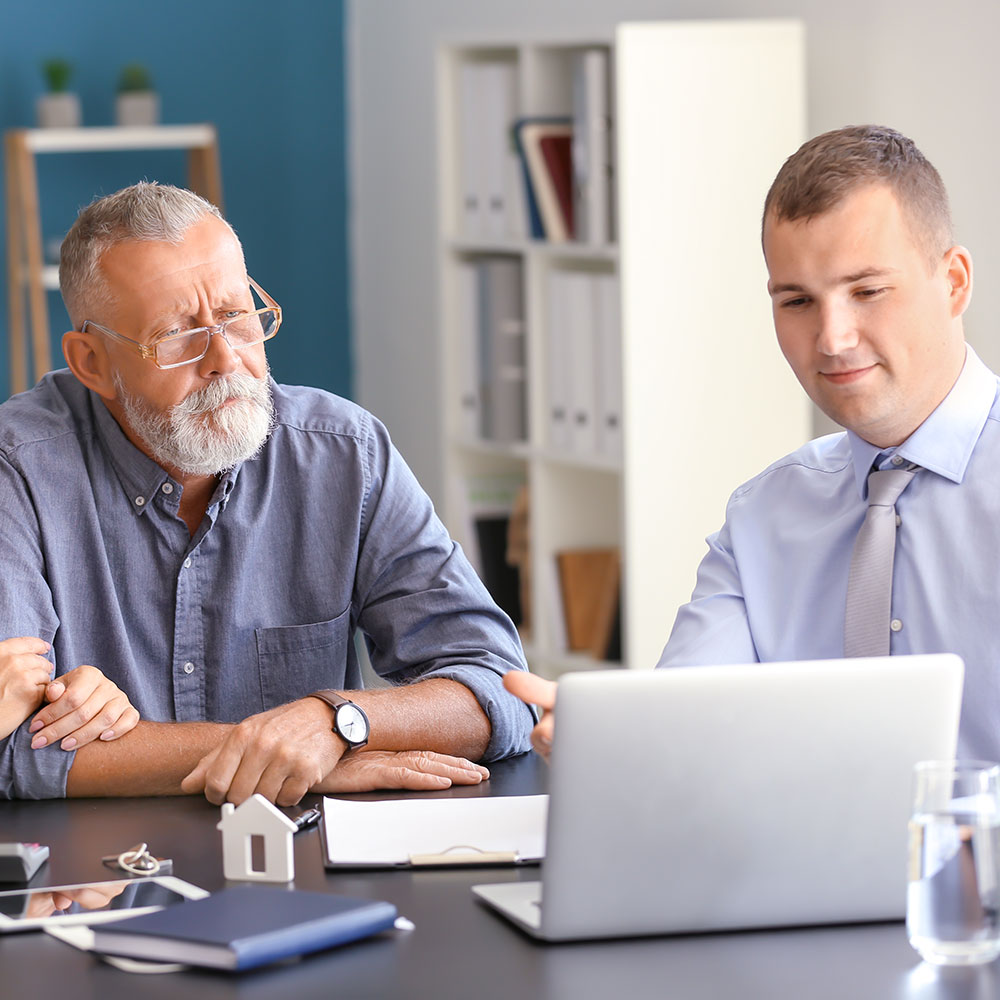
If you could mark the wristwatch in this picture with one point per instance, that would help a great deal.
(349, 722)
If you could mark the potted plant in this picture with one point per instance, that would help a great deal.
(137, 102)
(60, 107)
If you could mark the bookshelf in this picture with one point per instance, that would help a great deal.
(29, 277)
(658, 311)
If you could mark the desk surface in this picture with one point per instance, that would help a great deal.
(459, 949)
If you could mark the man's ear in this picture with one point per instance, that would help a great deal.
(958, 274)
(88, 360)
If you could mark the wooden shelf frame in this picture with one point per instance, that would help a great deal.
(28, 276)
(707, 401)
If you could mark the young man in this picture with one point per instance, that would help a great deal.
(868, 291)
(211, 540)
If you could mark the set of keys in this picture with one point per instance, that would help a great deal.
(19, 861)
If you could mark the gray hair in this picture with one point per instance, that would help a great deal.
(145, 211)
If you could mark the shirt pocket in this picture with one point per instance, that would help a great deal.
(295, 660)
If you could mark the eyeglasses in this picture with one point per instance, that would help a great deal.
(187, 346)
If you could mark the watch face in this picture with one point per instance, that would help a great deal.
(352, 724)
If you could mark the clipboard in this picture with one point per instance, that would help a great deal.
(441, 832)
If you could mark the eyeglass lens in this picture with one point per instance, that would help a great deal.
(243, 331)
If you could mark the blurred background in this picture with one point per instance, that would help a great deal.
(327, 114)
(270, 76)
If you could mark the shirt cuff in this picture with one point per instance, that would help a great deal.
(510, 719)
(33, 774)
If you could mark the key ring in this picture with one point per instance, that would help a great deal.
(138, 861)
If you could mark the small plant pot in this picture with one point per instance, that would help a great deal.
(141, 107)
(59, 110)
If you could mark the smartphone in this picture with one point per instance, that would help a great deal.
(90, 902)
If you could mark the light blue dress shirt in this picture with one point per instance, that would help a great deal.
(773, 585)
(325, 531)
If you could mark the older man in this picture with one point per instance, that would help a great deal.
(868, 288)
(211, 540)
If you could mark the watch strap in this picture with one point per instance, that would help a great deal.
(337, 701)
(333, 699)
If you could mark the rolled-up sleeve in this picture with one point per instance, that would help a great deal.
(424, 611)
(33, 774)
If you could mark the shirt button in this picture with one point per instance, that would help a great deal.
(187, 563)
(897, 460)
(896, 625)
(167, 488)
(899, 520)
(189, 668)
(139, 501)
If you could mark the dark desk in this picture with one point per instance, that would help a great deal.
(459, 949)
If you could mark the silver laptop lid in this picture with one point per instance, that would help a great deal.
(707, 798)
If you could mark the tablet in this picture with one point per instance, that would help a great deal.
(90, 902)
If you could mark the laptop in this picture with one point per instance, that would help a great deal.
(729, 797)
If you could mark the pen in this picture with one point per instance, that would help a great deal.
(305, 820)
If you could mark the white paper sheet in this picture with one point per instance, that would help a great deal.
(393, 832)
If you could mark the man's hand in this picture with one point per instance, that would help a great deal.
(24, 672)
(84, 706)
(281, 754)
(418, 770)
(535, 690)
(290, 750)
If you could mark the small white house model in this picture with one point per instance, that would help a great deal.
(256, 817)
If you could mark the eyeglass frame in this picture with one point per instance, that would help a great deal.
(149, 353)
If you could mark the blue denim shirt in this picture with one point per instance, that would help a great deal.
(325, 531)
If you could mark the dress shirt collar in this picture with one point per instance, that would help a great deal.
(944, 442)
(141, 478)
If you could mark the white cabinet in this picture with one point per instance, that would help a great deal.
(668, 321)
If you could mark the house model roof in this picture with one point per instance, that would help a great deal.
(256, 814)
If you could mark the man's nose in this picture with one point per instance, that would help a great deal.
(220, 358)
(837, 329)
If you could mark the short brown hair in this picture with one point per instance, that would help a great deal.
(829, 167)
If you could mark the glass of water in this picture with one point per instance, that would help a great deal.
(953, 893)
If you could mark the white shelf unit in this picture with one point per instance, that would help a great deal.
(704, 113)
(29, 278)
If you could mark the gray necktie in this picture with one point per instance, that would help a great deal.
(869, 586)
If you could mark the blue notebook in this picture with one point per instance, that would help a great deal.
(245, 926)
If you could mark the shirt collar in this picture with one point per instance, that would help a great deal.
(944, 442)
(141, 478)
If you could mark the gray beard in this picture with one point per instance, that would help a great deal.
(195, 437)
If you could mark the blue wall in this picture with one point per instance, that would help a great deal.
(271, 77)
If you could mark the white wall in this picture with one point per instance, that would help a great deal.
(927, 68)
